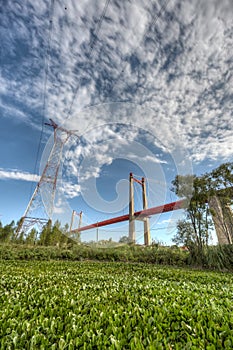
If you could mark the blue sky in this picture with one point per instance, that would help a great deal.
(147, 84)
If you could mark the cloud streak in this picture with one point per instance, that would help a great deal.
(18, 175)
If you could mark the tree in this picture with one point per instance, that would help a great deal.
(45, 235)
(221, 179)
(124, 239)
(66, 229)
(53, 235)
(7, 232)
(194, 231)
(198, 191)
(185, 234)
(31, 237)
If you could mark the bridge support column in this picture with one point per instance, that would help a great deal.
(228, 214)
(221, 227)
(131, 210)
(72, 220)
(146, 222)
(77, 233)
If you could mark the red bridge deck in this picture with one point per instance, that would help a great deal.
(139, 214)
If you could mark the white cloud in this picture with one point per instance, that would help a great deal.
(166, 221)
(71, 190)
(18, 175)
(148, 159)
(179, 66)
(11, 110)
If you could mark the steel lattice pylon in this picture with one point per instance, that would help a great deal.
(41, 205)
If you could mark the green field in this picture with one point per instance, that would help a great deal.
(90, 305)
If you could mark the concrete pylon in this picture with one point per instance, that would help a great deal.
(221, 228)
(132, 217)
(131, 210)
(228, 219)
(146, 220)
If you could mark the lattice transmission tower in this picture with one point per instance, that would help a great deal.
(41, 205)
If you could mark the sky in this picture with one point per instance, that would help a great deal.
(146, 86)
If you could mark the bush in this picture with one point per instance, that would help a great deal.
(213, 257)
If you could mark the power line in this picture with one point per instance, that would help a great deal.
(123, 231)
(98, 27)
(148, 179)
(46, 66)
(163, 228)
(142, 235)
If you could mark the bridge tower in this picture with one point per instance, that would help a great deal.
(223, 220)
(41, 205)
(132, 218)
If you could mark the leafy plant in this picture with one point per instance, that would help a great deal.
(92, 305)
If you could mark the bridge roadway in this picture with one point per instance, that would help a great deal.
(138, 215)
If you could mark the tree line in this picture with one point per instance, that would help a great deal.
(51, 235)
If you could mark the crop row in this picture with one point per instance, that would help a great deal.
(87, 305)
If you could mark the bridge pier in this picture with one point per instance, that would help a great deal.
(146, 222)
(131, 210)
(221, 222)
(132, 217)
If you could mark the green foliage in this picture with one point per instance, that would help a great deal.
(194, 231)
(154, 254)
(45, 236)
(86, 305)
(54, 235)
(219, 257)
(185, 235)
(213, 257)
(31, 237)
(7, 232)
(124, 239)
(221, 179)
